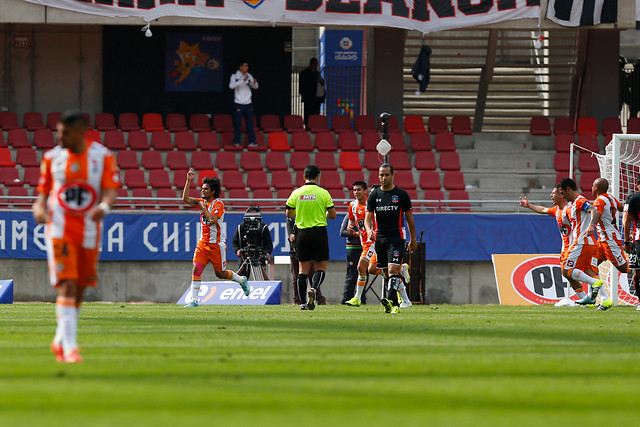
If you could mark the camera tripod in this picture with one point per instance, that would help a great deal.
(255, 266)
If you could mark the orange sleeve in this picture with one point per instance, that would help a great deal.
(44, 182)
(599, 205)
(552, 211)
(110, 175)
(218, 209)
(351, 217)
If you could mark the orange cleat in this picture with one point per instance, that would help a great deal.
(58, 351)
(73, 357)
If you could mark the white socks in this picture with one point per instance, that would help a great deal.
(57, 340)
(236, 277)
(68, 324)
(360, 287)
(195, 290)
(581, 294)
(403, 293)
(583, 277)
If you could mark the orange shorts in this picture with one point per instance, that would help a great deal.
(368, 251)
(374, 258)
(215, 253)
(581, 257)
(611, 251)
(70, 261)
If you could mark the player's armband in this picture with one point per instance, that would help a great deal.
(586, 206)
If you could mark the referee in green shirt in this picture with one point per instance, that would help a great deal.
(311, 205)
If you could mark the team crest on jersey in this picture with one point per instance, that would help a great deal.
(77, 196)
(396, 254)
(75, 167)
(394, 199)
(253, 4)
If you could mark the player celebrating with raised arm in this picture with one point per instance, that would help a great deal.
(212, 246)
(77, 187)
(559, 209)
(581, 262)
(389, 203)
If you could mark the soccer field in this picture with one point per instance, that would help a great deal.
(157, 365)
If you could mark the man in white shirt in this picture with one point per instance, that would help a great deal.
(242, 82)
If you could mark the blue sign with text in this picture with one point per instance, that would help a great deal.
(230, 293)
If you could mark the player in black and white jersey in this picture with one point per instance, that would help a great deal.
(631, 217)
(390, 204)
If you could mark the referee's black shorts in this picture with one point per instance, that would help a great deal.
(390, 250)
(312, 244)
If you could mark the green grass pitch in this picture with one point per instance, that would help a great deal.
(163, 365)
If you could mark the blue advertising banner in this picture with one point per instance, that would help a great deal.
(161, 237)
(6, 291)
(193, 62)
(230, 293)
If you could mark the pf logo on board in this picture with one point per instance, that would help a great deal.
(540, 281)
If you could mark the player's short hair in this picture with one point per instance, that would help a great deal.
(361, 184)
(567, 184)
(374, 186)
(311, 172)
(72, 118)
(312, 60)
(242, 62)
(386, 165)
(214, 185)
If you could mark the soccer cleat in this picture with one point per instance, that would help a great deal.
(404, 272)
(191, 304)
(406, 304)
(58, 351)
(605, 305)
(595, 288)
(586, 301)
(73, 357)
(311, 305)
(303, 307)
(354, 302)
(386, 303)
(245, 285)
(395, 309)
(638, 307)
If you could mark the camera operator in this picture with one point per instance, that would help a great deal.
(252, 240)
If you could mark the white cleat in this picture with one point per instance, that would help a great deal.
(638, 307)
(404, 271)
(406, 304)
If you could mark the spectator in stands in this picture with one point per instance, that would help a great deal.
(354, 250)
(295, 267)
(242, 82)
(311, 89)
(263, 241)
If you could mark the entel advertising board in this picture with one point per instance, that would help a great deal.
(230, 293)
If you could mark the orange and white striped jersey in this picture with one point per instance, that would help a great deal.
(580, 220)
(607, 226)
(213, 233)
(564, 225)
(74, 184)
(357, 213)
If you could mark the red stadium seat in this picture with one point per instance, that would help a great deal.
(445, 141)
(461, 125)
(397, 142)
(87, 117)
(318, 123)
(438, 124)
(9, 176)
(341, 123)
(425, 161)
(400, 160)
(185, 141)
(365, 124)
(336, 193)
(128, 160)
(257, 180)
(352, 176)
(18, 138)
(159, 178)
(226, 142)
(299, 160)
(404, 180)
(2, 141)
(105, 122)
(93, 135)
(122, 202)
(176, 122)
(453, 180)
(325, 141)
(449, 161)
(459, 206)
(142, 198)
(226, 160)
(180, 179)
(561, 162)
(563, 143)
(208, 141)
(420, 142)
(370, 141)
(262, 146)
(278, 141)
(152, 122)
(299, 178)
(243, 125)
(586, 182)
(43, 139)
(114, 140)
(588, 163)
(331, 180)
(394, 125)
(437, 196)
(350, 161)
(414, 124)
(200, 123)
(561, 175)
(293, 124)
(134, 178)
(27, 157)
(372, 160)
(223, 123)
(611, 125)
(301, 141)
(177, 160)
(281, 180)
(52, 120)
(590, 142)
(168, 193)
(587, 126)
(325, 161)
(413, 194)
(238, 193)
(161, 141)
(152, 160)
(9, 120)
(283, 194)
(270, 123)
(201, 175)
(137, 140)
(348, 141)
(633, 125)
(128, 122)
(33, 121)
(201, 160)
(540, 126)
(373, 178)
(232, 179)
(14, 193)
(430, 180)
(5, 158)
(263, 194)
(250, 161)
(32, 176)
(563, 126)
(275, 161)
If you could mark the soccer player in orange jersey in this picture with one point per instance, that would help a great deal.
(212, 247)
(560, 206)
(77, 187)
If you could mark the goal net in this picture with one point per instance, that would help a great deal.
(620, 165)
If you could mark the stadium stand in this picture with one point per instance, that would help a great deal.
(430, 180)
(563, 126)
(352, 176)
(299, 160)
(137, 140)
(414, 124)
(270, 123)
(276, 161)
(127, 160)
(318, 124)
(159, 178)
(341, 123)
(294, 123)
(43, 139)
(563, 143)
(177, 160)
(185, 141)
(5, 158)
(151, 160)
(18, 138)
(348, 141)
(114, 140)
(404, 179)
(325, 161)
(425, 161)
(134, 178)
(176, 122)
(226, 161)
(461, 125)
(438, 124)
(453, 180)
(232, 179)
(587, 126)
(128, 122)
(33, 121)
(27, 157)
(226, 142)
(350, 161)
(250, 161)
(449, 161)
(365, 124)
(200, 123)
(540, 126)
(399, 160)
(633, 125)
(223, 123)
(278, 141)
(590, 142)
(208, 141)
(420, 142)
(331, 180)
(325, 141)
(258, 180)
(52, 120)
(445, 141)
(201, 160)
(9, 120)
(161, 141)
(105, 122)
(281, 180)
